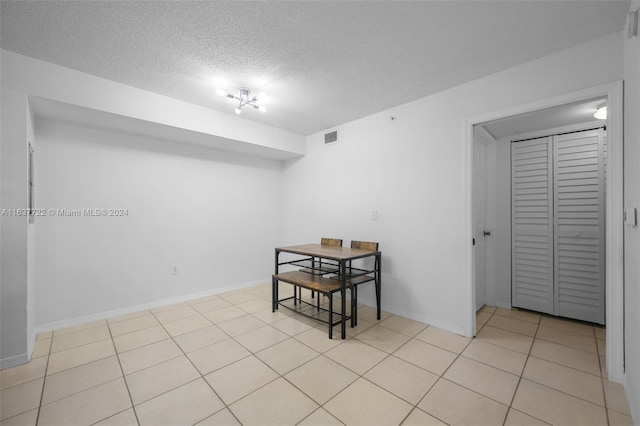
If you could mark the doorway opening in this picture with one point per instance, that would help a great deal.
(488, 143)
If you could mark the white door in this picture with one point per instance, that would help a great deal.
(480, 220)
(558, 222)
(532, 225)
(579, 225)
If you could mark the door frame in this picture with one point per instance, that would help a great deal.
(481, 136)
(614, 243)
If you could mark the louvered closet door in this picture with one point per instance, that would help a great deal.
(532, 225)
(579, 226)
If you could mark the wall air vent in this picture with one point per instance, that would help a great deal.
(331, 137)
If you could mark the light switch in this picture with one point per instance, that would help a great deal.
(631, 216)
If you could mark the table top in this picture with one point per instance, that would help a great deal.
(328, 252)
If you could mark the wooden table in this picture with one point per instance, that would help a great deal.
(338, 268)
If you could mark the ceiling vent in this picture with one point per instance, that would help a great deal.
(331, 137)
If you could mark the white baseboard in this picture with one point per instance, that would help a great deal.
(402, 311)
(12, 361)
(57, 325)
(503, 305)
(22, 358)
(31, 343)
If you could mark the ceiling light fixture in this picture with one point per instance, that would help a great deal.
(244, 97)
(601, 112)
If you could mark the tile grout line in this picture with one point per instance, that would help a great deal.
(44, 379)
(524, 366)
(604, 392)
(441, 377)
(63, 371)
(27, 381)
(539, 323)
(232, 338)
(574, 369)
(520, 376)
(249, 350)
(293, 337)
(196, 368)
(323, 354)
(316, 410)
(549, 341)
(161, 324)
(459, 355)
(80, 327)
(44, 382)
(111, 338)
(282, 376)
(566, 366)
(359, 376)
(135, 413)
(132, 331)
(552, 388)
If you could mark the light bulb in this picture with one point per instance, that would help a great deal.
(601, 113)
(221, 92)
(238, 110)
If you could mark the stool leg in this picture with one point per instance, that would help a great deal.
(274, 294)
(330, 316)
(355, 305)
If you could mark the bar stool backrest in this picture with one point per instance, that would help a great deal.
(333, 242)
(364, 245)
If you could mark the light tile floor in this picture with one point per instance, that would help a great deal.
(228, 360)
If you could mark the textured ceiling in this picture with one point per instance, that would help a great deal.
(320, 63)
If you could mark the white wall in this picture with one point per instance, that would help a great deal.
(632, 235)
(24, 81)
(31, 247)
(414, 172)
(502, 284)
(13, 268)
(215, 214)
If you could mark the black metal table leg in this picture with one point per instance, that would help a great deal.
(343, 295)
(378, 275)
(274, 301)
(274, 284)
(354, 305)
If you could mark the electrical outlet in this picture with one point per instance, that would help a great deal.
(174, 269)
(374, 215)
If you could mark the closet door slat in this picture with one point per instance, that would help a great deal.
(579, 225)
(532, 225)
